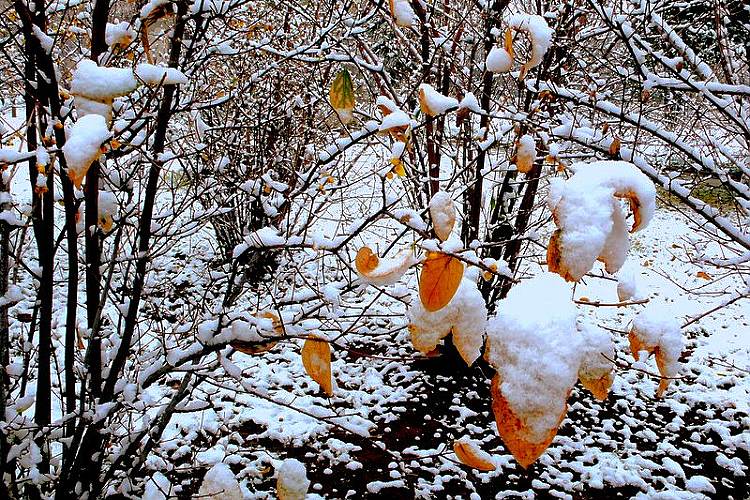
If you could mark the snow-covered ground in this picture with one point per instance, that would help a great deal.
(396, 414)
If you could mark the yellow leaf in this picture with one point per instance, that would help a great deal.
(398, 167)
(440, 278)
(514, 432)
(341, 96)
(469, 453)
(316, 358)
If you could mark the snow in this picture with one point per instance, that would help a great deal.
(394, 119)
(539, 32)
(151, 6)
(700, 484)
(83, 145)
(390, 270)
(442, 213)
(158, 487)
(470, 102)
(219, 483)
(107, 207)
(119, 34)
(94, 87)
(498, 60)
(657, 330)
(589, 216)
(525, 153)
(465, 316)
(402, 12)
(107, 203)
(598, 352)
(101, 83)
(46, 41)
(535, 348)
(159, 75)
(292, 482)
(627, 285)
(433, 102)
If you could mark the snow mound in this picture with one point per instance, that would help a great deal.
(292, 482)
(219, 483)
(465, 315)
(535, 348)
(590, 219)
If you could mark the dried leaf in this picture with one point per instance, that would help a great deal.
(105, 222)
(440, 278)
(398, 167)
(599, 387)
(508, 42)
(316, 358)
(469, 453)
(661, 363)
(341, 96)
(514, 431)
(704, 275)
(614, 147)
(636, 345)
(554, 256)
(635, 207)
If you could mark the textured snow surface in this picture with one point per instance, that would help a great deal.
(655, 326)
(101, 83)
(84, 141)
(539, 32)
(156, 75)
(598, 351)
(402, 12)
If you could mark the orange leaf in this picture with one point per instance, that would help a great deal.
(316, 358)
(366, 260)
(599, 387)
(383, 271)
(514, 431)
(636, 345)
(635, 207)
(614, 147)
(469, 453)
(554, 257)
(439, 280)
(704, 275)
(508, 42)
